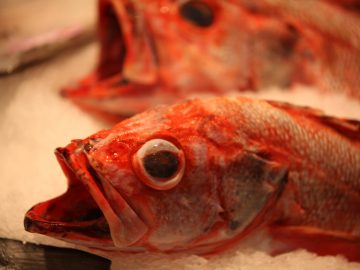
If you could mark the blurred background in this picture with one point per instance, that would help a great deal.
(43, 44)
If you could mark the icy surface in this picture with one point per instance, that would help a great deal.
(297, 260)
(34, 120)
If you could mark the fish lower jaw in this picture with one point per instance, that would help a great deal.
(88, 227)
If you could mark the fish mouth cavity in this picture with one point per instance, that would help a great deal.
(108, 92)
(73, 216)
(112, 41)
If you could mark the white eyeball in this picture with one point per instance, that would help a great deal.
(159, 164)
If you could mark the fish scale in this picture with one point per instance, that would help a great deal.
(314, 194)
(303, 137)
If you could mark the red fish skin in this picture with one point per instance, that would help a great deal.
(150, 54)
(275, 176)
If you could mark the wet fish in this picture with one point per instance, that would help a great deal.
(164, 51)
(209, 174)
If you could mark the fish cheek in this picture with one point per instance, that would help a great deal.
(189, 210)
(249, 188)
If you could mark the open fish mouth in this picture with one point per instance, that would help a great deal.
(90, 213)
(74, 216)
(110, 92)
(107, 80)
(108, 73)
(112, 42)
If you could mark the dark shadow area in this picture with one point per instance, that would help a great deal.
(16, 255)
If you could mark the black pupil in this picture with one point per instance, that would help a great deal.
(161, 164)
(198, 13)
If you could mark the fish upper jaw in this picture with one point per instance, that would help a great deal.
(89, 213)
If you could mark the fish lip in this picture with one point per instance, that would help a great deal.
(76, 233)
(89, 228)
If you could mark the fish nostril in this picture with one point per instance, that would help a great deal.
(87, 147)
(123, 81)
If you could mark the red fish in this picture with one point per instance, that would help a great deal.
(160, 52)
(206, 175)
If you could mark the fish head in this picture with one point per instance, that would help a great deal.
(171, 179)
(160, 52)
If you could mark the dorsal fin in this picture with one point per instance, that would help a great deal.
(346, 127)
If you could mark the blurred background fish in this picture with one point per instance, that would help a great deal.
(164, 51)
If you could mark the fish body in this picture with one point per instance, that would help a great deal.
(161, 52)
(208, 174)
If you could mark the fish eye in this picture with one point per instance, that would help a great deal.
(159, 164)
(198, 13)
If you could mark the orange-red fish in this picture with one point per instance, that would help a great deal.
(206, 175)
(156, 52)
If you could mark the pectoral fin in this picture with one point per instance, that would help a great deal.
(250, 188)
